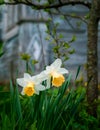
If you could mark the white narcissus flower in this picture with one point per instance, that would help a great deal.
(31, 84)
(55, 73)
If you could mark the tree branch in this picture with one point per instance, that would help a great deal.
(69, 15)
(48, 6)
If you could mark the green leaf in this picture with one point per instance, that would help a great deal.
(33, 126)
(57, 24)
(79, 23)
(34, 62)
(47, 38)
(71, 51)
(62, 17)
(25, 56)
(66, 58)
(73, 14)
(87, 16)
(1, 54)
(66, 45)
(78, 70)
(49, 19)
(1, 1)
(1, 49)
(73, 39)
(61, 36)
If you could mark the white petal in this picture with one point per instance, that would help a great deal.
(37, 92)
(39, 78)
(21, 82)
(56, 64)
(27, 76)
(34, 79)
(63, 71)
(42, 76)
(48, 83)
(47, 71)
(39, 87)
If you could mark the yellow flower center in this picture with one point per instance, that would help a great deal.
(57, 79)
(29, 89)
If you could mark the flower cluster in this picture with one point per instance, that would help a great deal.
(53, 74)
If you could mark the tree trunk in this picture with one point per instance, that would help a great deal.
(92, 59)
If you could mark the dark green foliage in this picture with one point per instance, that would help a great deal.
(53, 109)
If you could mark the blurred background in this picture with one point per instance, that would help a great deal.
(23, 31)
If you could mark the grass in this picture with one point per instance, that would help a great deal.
(53, 109)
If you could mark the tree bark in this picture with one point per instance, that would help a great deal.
(92, 58)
